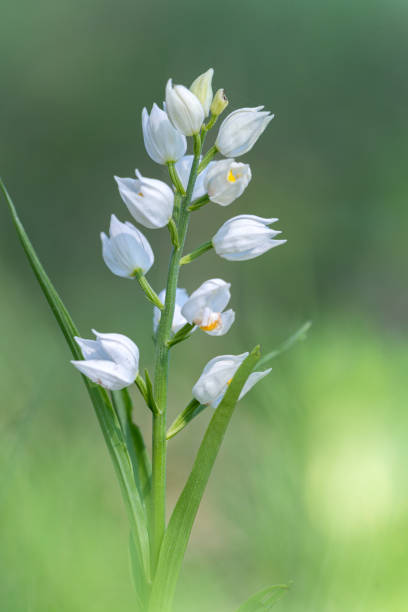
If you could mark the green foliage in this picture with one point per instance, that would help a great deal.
(181, 522)
(264, 600)
(189, 413)
(105, 413)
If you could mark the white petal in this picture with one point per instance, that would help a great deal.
(178, 320)
(149, 201)
(114, 264)
(214, 379)
(129, 247)
(149, 141)
(105, 373)
(120, 348)
(91, 349)
(226, 320)
(184, 109)
(252, 380)
(213, 294)
(241, 129)
(226, 181)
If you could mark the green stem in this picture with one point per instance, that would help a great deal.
(211, 122)
(176, 210)
(199, 203)
(173, 232)
(147, 288)
(207, 158)
(182, 334)
(207, 246)
(175, 178)
(159, 446)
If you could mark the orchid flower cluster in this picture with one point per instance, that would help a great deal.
(110, 362)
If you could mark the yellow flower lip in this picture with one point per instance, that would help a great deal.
(140, 194)
(231, 177)
(211, 326)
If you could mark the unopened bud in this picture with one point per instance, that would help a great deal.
(219, 103)
(201, 87)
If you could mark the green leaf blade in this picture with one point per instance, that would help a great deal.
(264, 600)
(178, 531)
(105, 413)
(298, 336)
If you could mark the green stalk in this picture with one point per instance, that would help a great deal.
(207, 157)
(147, 288)
(207, 246)
(175, 179)
(159, 446)
(199, 203)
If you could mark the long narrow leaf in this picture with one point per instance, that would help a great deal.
(264, 600)
(178, 531)
(299, 335)
(140, 584)
(104, 411)
(134, 441)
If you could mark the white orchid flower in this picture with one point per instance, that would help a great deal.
(241, 129)
(226, 180)
(183, 167)
(149, 201)
(178, 320)
(126, 250)
(201, 87)
(245, 237)
(184, 109)
(112, 360)
(205, 306)
(217, 375)
(162, 141)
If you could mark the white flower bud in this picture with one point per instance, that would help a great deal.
(217, 375)
(178, 320)
(162, 141)
(226, 180)
(126, 250)
(245, 237)
(149, 201)
(184, 109)
(241, 129)
(205, 306)
(201, 87)
(219, 103)
(112, 360)
(183, 167)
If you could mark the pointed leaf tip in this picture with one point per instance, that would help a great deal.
(264, 600)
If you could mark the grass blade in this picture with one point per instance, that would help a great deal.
(178, 531)
(299, 335)
(104, 411)
(134, 441)
(264, 600)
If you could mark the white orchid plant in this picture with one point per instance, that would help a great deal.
(110, 362)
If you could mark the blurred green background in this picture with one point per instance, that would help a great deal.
(311, 484)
